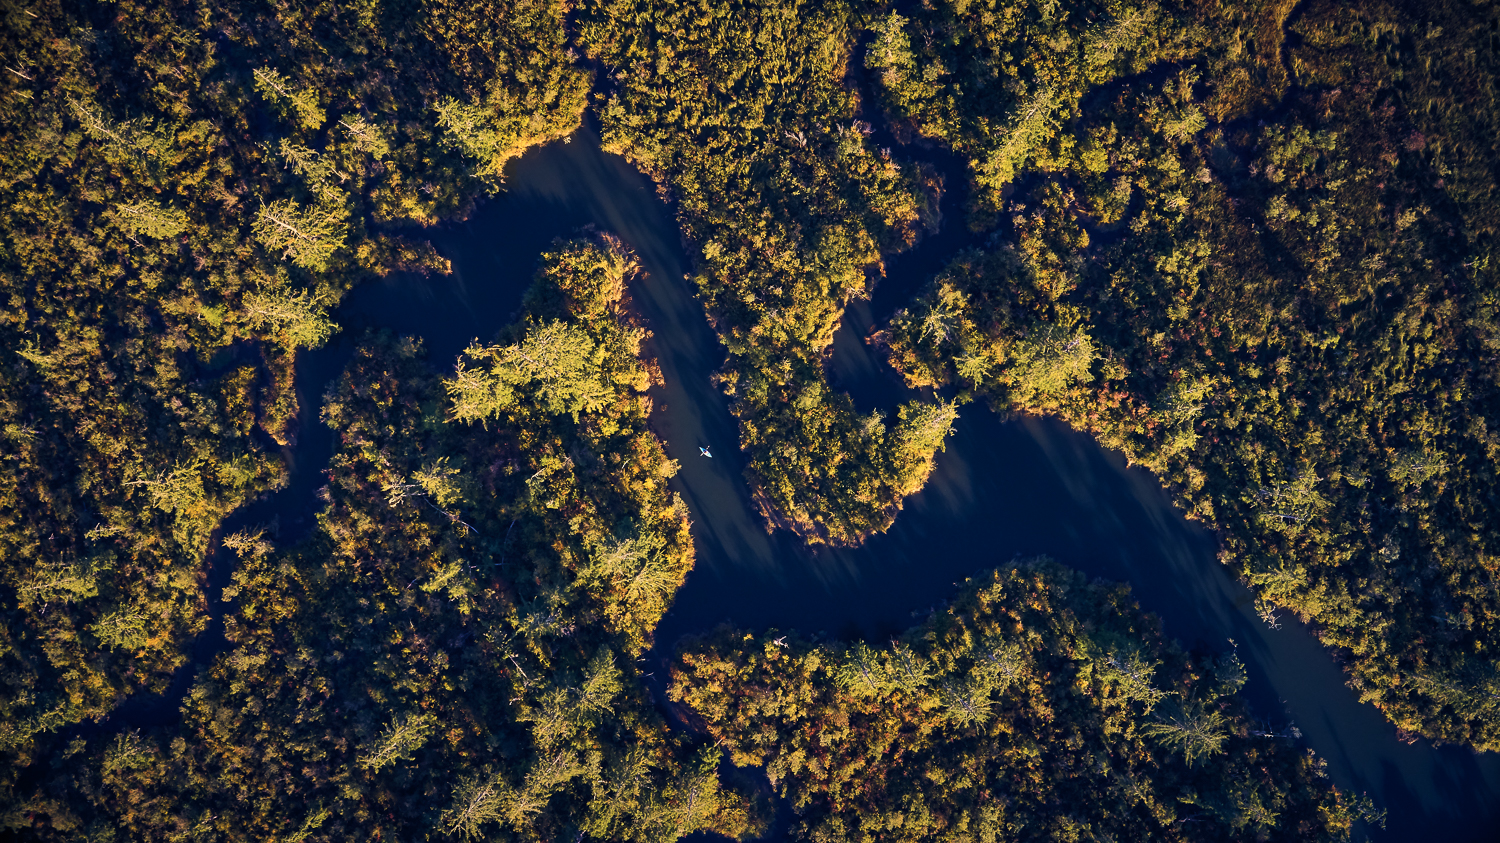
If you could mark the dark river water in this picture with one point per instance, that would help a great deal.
(1001, 490)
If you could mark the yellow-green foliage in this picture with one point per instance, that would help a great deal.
(564, 366)
(579, 422)
(452, 653)
(743, 112)
(1264, 269)
(1035, 707)
(998, 80)
(1292, 323)
(186, 187)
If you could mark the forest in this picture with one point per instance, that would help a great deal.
(1288, 319)
(1247, 243)
(1034, 707)
(448, 653)
(742, 112)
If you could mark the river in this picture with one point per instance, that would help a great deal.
(1001, 489)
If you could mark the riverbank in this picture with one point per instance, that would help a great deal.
(1001, 490)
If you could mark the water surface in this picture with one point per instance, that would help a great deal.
(1002, 489)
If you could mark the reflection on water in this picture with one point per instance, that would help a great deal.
(1001, 490)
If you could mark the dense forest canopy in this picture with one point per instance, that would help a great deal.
(1287, 314)
(451, 653)
(1035, 707)
(188, 191)
(1249, 244)
(742, 111)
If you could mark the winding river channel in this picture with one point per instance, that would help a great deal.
(1001, 489)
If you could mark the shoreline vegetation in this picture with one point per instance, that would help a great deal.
(1286, 317)
(1248, 245)
(1034, 706)
(742, 114)
(184, 206)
